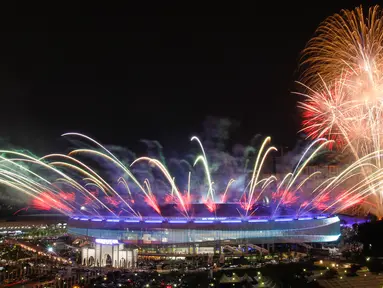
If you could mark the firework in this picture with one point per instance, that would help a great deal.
(94, 194)
(343, 78)
(349, 42)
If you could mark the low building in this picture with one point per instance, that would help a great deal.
(108, 252)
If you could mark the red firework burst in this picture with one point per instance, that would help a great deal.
(168, 199)
(245, 205)
(182, 201)
(89, 199)
(152, 202)
(321, 203)
(68, 196)
(287, 198)
(322, 115)
(114, 201)
(47, 201)
(210, 205)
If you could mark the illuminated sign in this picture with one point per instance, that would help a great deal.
(107, 241)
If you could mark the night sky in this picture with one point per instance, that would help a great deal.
(153, 71)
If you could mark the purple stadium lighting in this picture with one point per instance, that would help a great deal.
(96, 220)
(153, 221)
(84, 219)
(112, 220)
(321, 217)
(203, 221)
(257, 220)
(178, 221)
(283, 219)
(231, 221)
(305, 218)
(131, 221)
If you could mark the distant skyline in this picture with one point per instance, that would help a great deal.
(121, 74)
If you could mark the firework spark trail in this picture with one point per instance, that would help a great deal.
(93, 175)
(44, 190)
(56, 171)
(257, 169)
(206, 166)
(122, 181)
(312, 155)
(363, 188)
(167, 176)
(223, 198)
(288, 198)
(111, 158)
(348, 41)
(150, 198)
(35, 193)
(13, 163)
(298, 170)
(189, 176)
(35, 189)
(305, 180)
(126, 170)
(47, 200)
(268, 181)
(345, 102)
(355, 191)
(94, 185)
(29, 186)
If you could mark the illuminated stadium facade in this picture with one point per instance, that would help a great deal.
(223, 224)
(203, 230)
(203, 234)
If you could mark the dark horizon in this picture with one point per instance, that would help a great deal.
(121, 74)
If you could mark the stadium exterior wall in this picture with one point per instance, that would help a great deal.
(178, 232)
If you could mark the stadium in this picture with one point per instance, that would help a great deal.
(207, 233)
(172, 209)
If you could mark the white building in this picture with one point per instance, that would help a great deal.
(109, 252)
